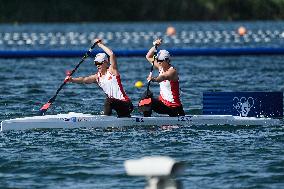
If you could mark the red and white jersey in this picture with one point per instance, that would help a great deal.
(169, 92)
(112, 86)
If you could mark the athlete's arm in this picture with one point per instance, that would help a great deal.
(113, 62)
(151, 52)
(150, 57)
(84, 80)
(171, 74)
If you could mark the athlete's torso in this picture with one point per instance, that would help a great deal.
(112, 86)
(169, 91)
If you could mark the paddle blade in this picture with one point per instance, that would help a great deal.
(145, 106)
(44, 108)
(144, 102)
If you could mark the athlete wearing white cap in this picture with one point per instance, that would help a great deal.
(108, 79)
(168, 101)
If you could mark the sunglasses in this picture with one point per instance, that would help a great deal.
(98, 63)
(160, 60)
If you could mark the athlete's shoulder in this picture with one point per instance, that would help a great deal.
(96, 75)
(172, 70)
(113, 72)
(173, 73)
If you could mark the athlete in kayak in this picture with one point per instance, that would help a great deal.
(108, 78)
(169, 100)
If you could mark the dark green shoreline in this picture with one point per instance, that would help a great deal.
(26, 11)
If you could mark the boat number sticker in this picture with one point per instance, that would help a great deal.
(183, 118)
(74, 119)
(139, 119)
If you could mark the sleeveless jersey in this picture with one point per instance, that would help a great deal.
(112, 86)
(169, 92)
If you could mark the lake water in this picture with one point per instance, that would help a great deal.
(216, 156)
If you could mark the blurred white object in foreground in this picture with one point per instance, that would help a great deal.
(159, 170)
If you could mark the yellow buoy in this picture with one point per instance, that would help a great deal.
(171, 31)
(242, 31)
(139, 84)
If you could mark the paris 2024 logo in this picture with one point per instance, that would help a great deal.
(243, 105)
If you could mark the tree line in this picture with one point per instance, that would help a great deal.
(23, 11)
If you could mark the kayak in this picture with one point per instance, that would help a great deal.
(80, 120)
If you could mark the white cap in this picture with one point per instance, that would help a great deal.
(163, 55)
(100, 57)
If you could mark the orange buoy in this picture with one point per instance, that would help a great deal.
(171, 31)
(242, 31)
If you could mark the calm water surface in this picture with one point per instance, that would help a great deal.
(216, 156)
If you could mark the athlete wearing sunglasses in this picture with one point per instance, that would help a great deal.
(168, 101)
(108, 79)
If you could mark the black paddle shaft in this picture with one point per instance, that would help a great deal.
(152, 68)
(51, 100)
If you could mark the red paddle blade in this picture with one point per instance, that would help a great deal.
(146, 101)
(44, 108)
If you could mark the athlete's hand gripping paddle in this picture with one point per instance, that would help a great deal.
(45, 107)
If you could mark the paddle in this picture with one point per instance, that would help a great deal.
(51, 100)
(152, 67)
(146, 99)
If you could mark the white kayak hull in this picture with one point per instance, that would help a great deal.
(79, 120)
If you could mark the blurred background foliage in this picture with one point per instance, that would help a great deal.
(138, 10)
